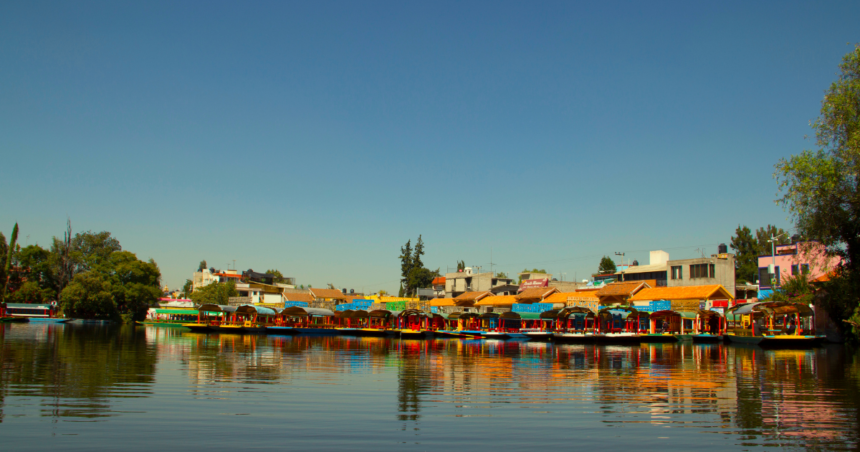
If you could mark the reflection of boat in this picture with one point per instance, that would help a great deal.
(776, 324)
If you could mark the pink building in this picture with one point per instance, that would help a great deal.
(798, 258)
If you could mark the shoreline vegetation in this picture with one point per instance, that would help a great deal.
(87, 274)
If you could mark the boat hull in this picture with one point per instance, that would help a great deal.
(318, 331)
(281, 330)
(573, 338)
(14, 320)
(198, 327)
(707, 338)
(781, 341)
(658, 338)
(538, 335)
(162, 324)
(617, 338)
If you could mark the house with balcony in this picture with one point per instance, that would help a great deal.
(460, 282)
(799, 258)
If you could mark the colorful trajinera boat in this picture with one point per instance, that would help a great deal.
(461, 324)
(663, 326)
(27, 312)
(168, 317)
(708, 326)
(210, 317)
(618, 325)
(776, 324)
(414, 323)
(506, 325)
(575, 324)
(542, 327)
(301, 320)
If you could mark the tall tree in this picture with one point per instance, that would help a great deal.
(821, 188)
(12, 242)
(416, 255)
(606, 266)
(61, 259)
(201, 266)
(461, 265)
(405, 263)
(748, 247)
(187, 289)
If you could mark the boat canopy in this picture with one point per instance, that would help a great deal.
(551, 314)
(664, 314)
(410, 312)
(379, 313)
(575, 311)
(251, 309)
(510, 315)
(773, 308)
(177, 311)
(623, 311)
(460, 315)
(344, 314)
(298, 311)
(743, 309)
(707, 314)
(490, 315)
(216, 308)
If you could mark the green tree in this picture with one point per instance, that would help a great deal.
(187, 288)
(749, 247)
(88, 296)
(8, 264)
(279, 277)
(820, 188)
(202, 266)
(134, 284)
(606, 266)
(215, 293)
(534, 270)
(405, 264)
(502, 275)
(461, 265)
(92, 250)
(30, 292)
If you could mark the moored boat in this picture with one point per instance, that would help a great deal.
(574, 325)
(774, 324)
(663, 326)
(540, 328)
(27, 312)
(617, 325)
(310, 321)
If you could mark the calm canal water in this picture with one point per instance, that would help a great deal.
(77, 387)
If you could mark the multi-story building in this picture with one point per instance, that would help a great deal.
(664, 272)
(465, 281)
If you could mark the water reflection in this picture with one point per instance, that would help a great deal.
(746, 397)
(74, 370)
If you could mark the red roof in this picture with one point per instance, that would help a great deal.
(438, 281)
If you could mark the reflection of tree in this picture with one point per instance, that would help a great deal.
(78, 368)
(413, 380)
(788, 395)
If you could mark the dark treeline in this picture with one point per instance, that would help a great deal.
(87, 273)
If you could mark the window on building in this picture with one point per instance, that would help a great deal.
(794, 269)
(805, 269)
(712, 271)
(678, 272)
(700, 270)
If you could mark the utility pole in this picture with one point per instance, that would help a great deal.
(622, 262)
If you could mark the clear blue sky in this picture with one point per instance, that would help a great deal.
(318, 137)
